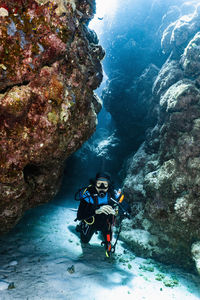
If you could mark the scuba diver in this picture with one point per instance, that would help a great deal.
(98, 210)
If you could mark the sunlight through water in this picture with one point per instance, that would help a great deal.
(104, 9)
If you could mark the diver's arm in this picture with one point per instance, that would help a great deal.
(85, 210)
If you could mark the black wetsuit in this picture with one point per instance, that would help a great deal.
(91, 222)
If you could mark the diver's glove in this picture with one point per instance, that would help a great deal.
(105, 209)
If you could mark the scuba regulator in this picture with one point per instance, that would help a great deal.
(101, 187)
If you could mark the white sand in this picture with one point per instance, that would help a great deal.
(38, 254)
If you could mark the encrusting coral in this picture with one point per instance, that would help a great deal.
(48, 71)
(164, 181)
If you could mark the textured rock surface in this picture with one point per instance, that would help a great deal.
(48, 71)
(191, 57)
(134, 57)
(163, 177)
(177, 34)
(196, 255)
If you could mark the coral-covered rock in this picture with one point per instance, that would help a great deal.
(196, 255)
(134, 58)
(163, 182)
(169, 74)
(178, 33)
(48, 71)
(180, 96)
(191, 57)
(173, 13)
(163, 179)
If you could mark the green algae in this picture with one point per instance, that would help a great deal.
(160, 276)
(53, 117)
(146, 268)
(129, 266)
(170, 282)
(167, 281)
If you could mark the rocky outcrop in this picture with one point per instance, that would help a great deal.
(163, 177)
(50, 65)
(196, 255)
(177, 34)
(134, 58)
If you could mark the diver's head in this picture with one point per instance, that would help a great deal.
(102, 184)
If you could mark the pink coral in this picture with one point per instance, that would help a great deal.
(46, 100)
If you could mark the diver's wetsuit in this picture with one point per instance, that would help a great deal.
(92, 222)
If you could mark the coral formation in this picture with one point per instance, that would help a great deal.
(163, 181)
(196, 254)
(132, 63)
(48, 71)
(191, 57)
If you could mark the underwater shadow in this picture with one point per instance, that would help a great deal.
(106, 270)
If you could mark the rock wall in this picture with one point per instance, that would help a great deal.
(134, 57)
(163, 177)
(49, 67)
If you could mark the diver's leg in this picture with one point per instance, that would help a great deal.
(106, 228)
(87, 232)
(107, 235)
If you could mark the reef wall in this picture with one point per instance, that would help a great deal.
(133, 59)
(49, 67)
(162, 181)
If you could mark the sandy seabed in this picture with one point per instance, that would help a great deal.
(42, 258)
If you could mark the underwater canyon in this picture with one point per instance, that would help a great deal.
(50, 68)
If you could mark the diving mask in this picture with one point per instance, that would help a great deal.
(102, 187)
